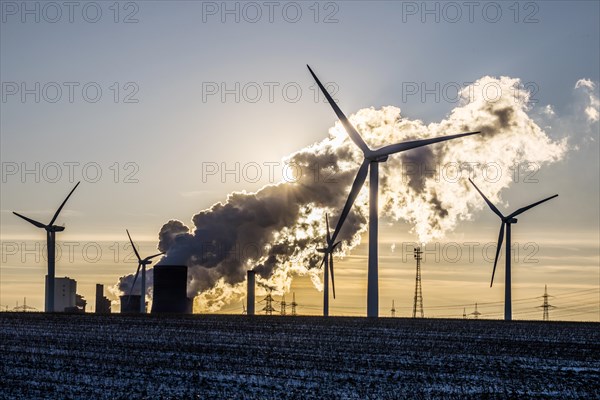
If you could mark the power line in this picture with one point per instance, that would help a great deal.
(521, 300)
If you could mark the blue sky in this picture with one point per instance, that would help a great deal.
(372, 52)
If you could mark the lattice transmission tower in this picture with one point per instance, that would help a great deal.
(545, 306)
(293, 304)
(476, 313)
(283, 305)
(24, 307)
(268, 308)
(418, 301)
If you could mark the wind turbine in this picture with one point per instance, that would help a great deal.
(141, 265)
(328, 261)
(506, 221)
(51, 230)
(371, 161)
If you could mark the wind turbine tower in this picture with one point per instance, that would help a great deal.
(328, 263)
(418, 301)
(370, 166)
(393, 310)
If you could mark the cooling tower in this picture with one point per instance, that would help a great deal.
(130, 305)
(250, 294)
(170, 290)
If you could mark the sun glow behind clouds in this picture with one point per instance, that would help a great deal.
(286, 219)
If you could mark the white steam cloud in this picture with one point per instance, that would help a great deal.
(275, 230)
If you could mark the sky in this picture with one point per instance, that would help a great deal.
(163, 109)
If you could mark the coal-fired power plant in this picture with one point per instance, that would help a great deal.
(130, 304)
(250, 295)
(170, 290)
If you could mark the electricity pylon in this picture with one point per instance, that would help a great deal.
(294, 304)
(283, 305)
(418, 301)
(545, 306)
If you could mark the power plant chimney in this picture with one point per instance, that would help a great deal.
(250, 293)
(102, 303)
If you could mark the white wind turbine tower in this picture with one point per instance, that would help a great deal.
(371, 160)
(51, 230)
(141, 265)
(328, 262)
(506, 221)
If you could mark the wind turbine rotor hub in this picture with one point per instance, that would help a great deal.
(378, 159)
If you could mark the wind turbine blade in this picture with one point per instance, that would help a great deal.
(328, 233)
(489, 203)
(153, 256)
(352, 132)
(523, 209)
(359, 181)
(331, 273)
(399, 147)
(135, 278)
(62, 205)
(133, 245)
(323, 262)
(500, 240)
(31, 221)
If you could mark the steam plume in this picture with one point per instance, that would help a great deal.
(276, 229)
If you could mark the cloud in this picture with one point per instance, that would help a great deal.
(549, 111)
(585, 83)
(276, 229)
(592, 109)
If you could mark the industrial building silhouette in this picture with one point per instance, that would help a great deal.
(170, 290)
